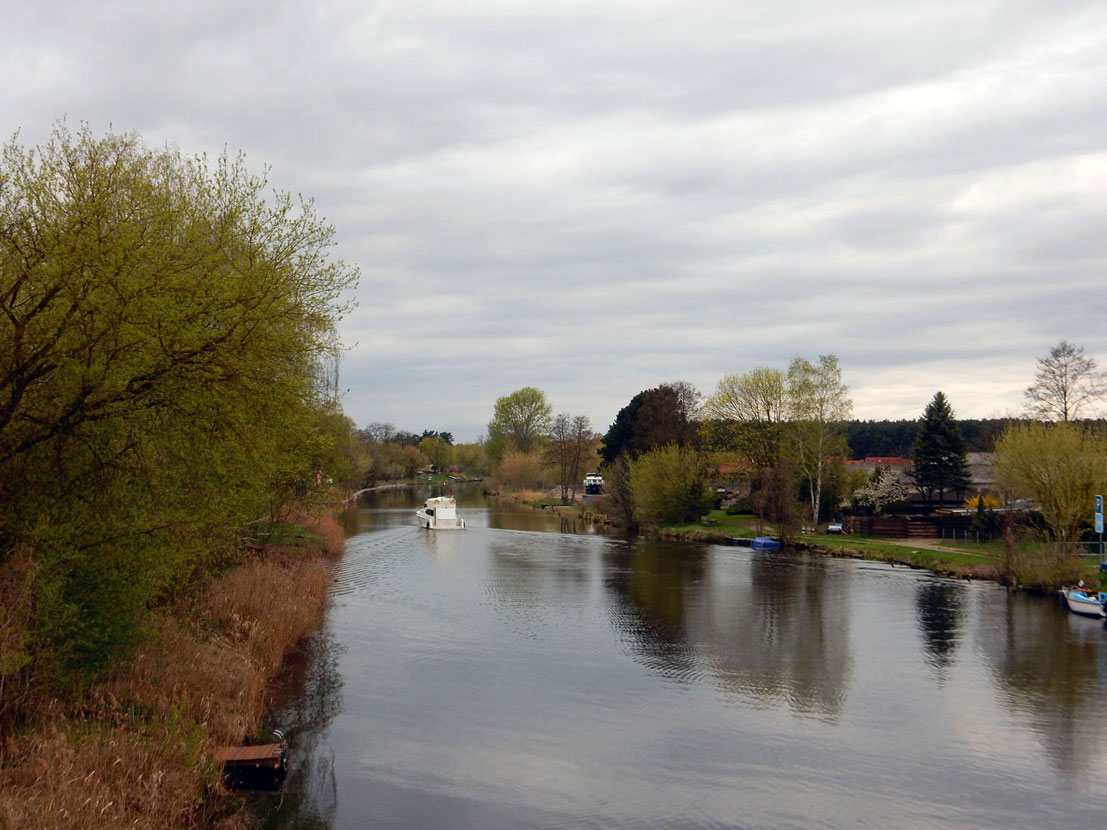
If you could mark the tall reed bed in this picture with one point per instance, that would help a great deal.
(137, 751)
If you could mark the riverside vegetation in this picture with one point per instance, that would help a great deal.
(779, 438)
(167, 417)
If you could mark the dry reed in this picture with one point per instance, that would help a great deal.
(137, 753)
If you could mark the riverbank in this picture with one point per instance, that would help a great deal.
(135, 749)
(1027, 567)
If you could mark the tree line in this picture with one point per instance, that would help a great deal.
(780, 435)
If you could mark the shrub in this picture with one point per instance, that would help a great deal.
(670, 485)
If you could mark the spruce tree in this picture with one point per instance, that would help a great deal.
(939, 453)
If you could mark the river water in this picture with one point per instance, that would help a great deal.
(523, 674)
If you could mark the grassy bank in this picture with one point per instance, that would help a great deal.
(1030, 566)
(135, 749)
(952, 561)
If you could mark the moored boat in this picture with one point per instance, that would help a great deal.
(1085, 601)
(440, 513)
(765, 543)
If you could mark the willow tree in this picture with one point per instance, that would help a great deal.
(1062, 466)
(162, 323)
(746, 414)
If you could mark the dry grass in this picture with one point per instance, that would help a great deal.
(79, 775)
(1046, 571)
(137, 753)
(326, 528)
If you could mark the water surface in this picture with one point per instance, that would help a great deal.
(512, 675)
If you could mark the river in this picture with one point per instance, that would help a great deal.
(521, 673)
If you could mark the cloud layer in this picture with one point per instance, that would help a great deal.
(593, 198)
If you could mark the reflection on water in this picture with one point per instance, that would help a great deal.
(310, 792)
(1052, 669)
(763, 626)
(938, 605)
(513, 675)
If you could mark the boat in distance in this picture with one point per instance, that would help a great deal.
(440, 513)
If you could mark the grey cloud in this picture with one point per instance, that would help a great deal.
(597, 197)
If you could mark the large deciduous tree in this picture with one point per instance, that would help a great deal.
(653, 418)
(1066, 383)
(939, 453)
(746, 413)
(818, 407)
(1062, 466)
(570, 440)
(521, 420)
(163, 324)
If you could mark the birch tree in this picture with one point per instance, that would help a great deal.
(1067, 382)
(818, 405)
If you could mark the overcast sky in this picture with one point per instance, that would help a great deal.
(597, 197)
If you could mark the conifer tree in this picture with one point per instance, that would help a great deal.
(939, 453)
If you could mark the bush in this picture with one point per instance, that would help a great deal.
(670, 485)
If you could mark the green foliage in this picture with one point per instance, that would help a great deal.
(939, 453)
(1062, 466)
(617, 485)
(818, 407)
(652, 419)
(438, 450)
(472, 458)
(520, 420)
(896, 438)
(746, 414)
(669, 485)
(164, 323)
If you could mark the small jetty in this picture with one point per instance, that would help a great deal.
(260, 767)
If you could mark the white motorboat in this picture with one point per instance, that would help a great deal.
(1083, 601)
(440, 513)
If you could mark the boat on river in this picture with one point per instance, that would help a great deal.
(440, 513)
(1085, 601)
(765, 543)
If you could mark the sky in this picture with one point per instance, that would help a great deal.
(594, 198)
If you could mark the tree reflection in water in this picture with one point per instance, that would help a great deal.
(772, 628)
(1052, 670)
(939, 606)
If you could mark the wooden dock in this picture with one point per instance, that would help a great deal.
(270, 756)
(260, 767)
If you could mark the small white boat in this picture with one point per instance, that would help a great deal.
(440, 513)
(1085, 601)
